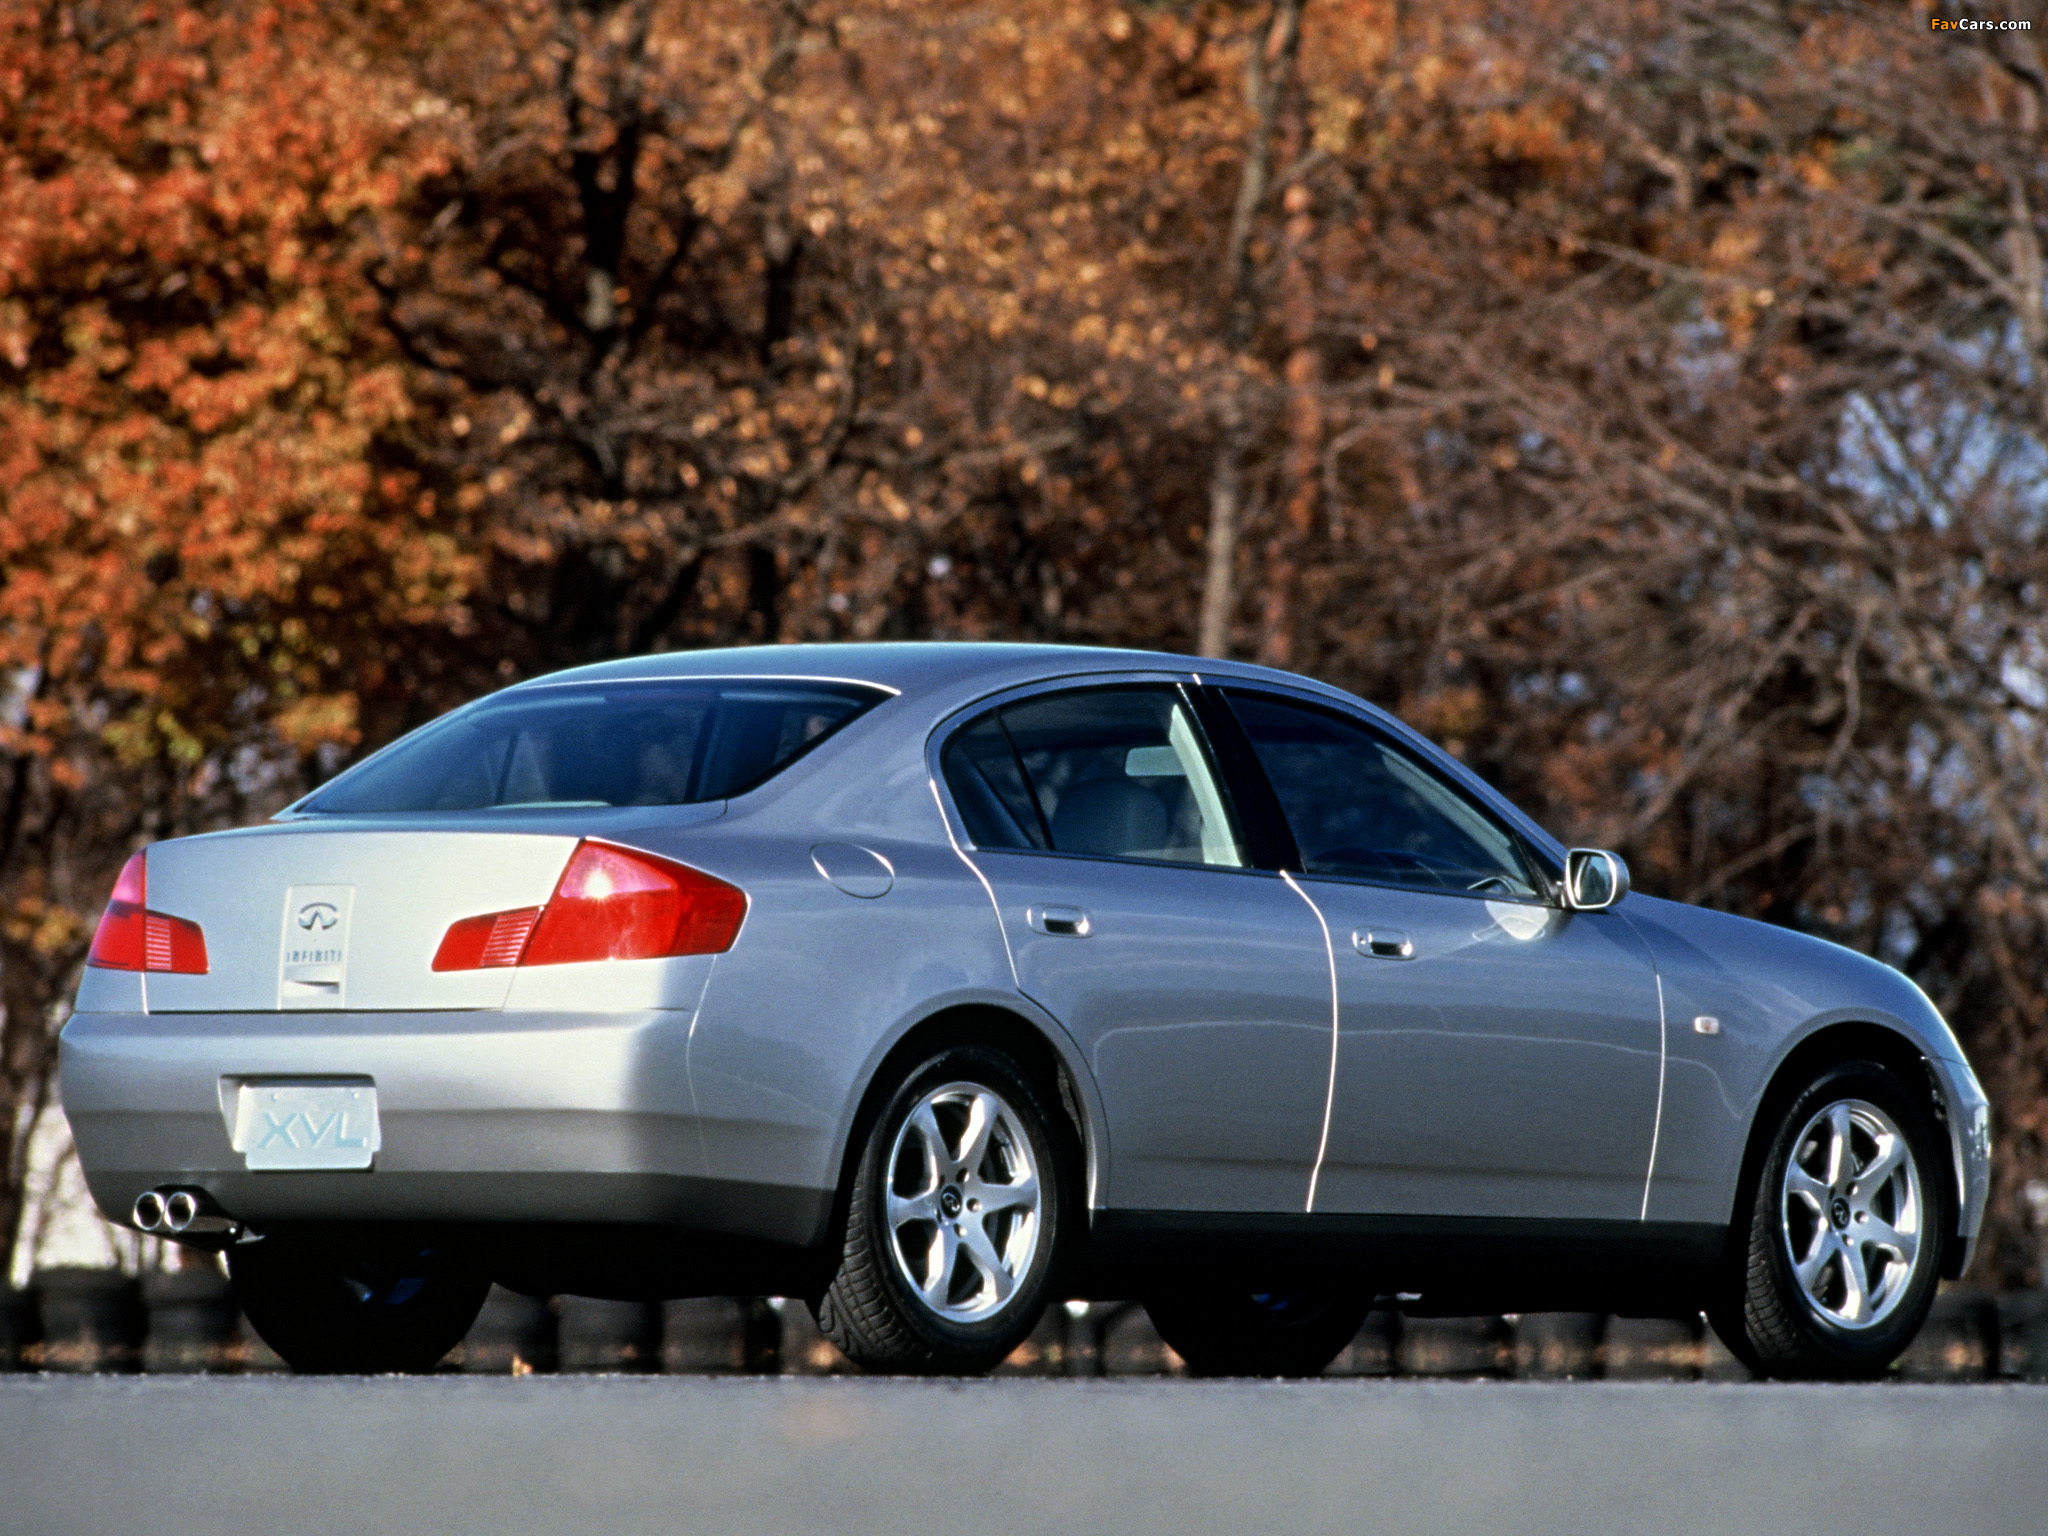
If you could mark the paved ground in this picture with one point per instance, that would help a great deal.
(707, 1456)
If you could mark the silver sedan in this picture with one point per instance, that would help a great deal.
(928, 982)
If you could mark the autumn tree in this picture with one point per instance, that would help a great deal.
(1645, 404)
(1839, 424)
(212, 552)
(635, 299)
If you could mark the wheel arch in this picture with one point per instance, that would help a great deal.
(1035, 1049)
(1838, 1044)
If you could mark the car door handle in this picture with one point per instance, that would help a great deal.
(1060, 922)
(1383, 944)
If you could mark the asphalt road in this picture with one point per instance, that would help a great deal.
(707, 1456)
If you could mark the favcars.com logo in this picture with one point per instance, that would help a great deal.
(1966, 24)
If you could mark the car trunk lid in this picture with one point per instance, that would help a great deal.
(308, 917)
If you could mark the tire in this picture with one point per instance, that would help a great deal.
(1831, 1274)
(1232, 1331)
(343, 1307)
(946, 1260)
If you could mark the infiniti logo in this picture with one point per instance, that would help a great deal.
(313, 958)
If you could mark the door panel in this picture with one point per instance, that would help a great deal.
(1506, 1067)
(1198, 988)
(1201, 999)
(1497, 1056)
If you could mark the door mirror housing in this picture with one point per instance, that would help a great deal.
(1594, 879)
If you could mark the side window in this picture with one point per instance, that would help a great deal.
(1361, 807)
(988, 786)
(1113, 772)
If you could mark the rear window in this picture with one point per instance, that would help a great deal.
(591, 744)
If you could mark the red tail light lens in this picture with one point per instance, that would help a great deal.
(133, 938)
(120, 942)
(610, 904)
(487, 942)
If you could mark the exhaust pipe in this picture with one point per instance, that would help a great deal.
(180, 1213)
(149, 1211)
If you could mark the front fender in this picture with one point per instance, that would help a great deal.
(1769, 991)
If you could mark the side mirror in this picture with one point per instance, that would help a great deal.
(1594, 879)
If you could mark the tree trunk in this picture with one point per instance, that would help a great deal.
(1302, 460)
(28, 1063)
(1226, 509)
(1268, 73)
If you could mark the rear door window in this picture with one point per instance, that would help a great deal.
(1108, 772)
(599, 744)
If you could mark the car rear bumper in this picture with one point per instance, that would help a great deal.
(485, 1116)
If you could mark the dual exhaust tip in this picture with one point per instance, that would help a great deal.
(177, 1212)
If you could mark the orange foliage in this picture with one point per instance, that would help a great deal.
(203, 519)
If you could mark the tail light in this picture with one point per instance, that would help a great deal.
(133, 938)
(611, 903)
(484, 943)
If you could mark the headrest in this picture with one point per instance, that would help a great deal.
(1110, 816)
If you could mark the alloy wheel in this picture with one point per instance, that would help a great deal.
(963, 1202)
(1852, 1214)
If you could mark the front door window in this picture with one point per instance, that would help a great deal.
(1361, 808)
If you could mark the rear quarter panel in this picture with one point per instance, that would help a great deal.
(816, 990)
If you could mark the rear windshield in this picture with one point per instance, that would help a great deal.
(571, 744)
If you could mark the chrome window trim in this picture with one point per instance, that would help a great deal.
(541, 684)
(1111, 858)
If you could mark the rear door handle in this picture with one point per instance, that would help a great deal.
(1383, 944)
(1060, 922)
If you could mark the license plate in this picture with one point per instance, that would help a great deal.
(306, 1125)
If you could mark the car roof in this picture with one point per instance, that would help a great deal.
(912, 666)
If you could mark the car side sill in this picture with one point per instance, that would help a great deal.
(1442, 1265)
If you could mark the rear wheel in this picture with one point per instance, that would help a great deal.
(952, 1222)
(1845, 1226)
(346, 1306)
(1223, 1330)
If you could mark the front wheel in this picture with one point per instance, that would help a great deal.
(1225, 1330)
(336, 1306)
(1845, 1225)
(952, 1222)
